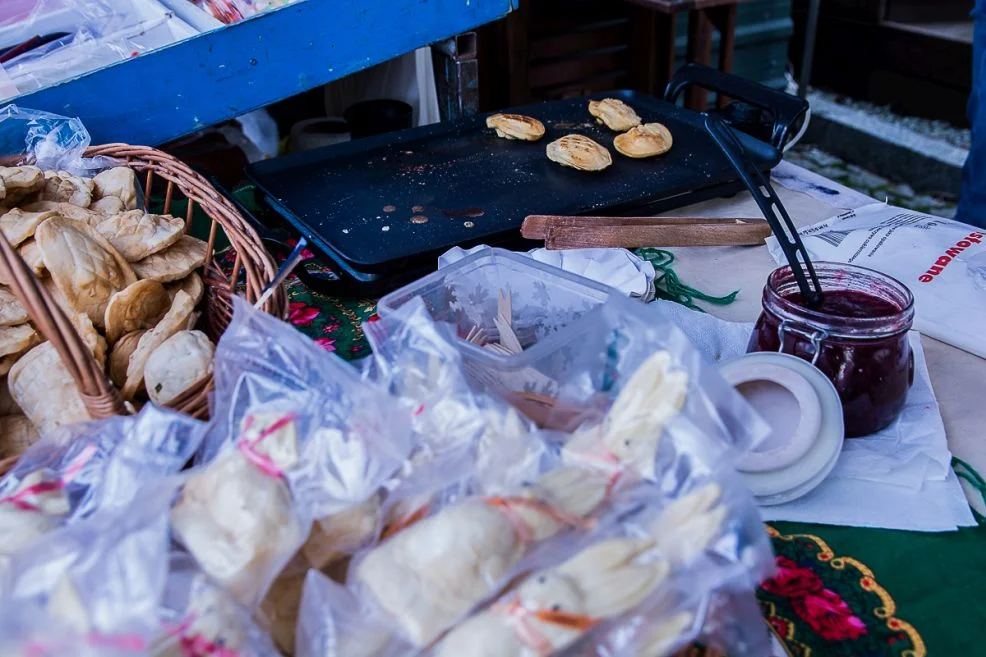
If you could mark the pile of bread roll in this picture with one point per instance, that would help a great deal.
(128, 280)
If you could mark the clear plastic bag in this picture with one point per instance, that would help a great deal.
(710, 533)
(621, 336)
(103, 576)
(102, 465)
(49, 141)
(199, 618)
(353, 434)
(298, 436)
(640, 584)
(26, 633)
(464, 442)
(319, 636)
(655, 426)
(671, 567)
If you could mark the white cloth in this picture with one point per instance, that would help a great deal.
(898, 478)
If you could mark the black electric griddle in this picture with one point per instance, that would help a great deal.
(382, 208)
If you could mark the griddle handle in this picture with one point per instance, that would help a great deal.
(330, 285)
(767, 200)
(262, 230)
(784, 109)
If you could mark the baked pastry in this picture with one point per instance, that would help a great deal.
(62, 187)
(516, 126)
(138, 306)
(17, 339)
(18, 182)
(180, 362)
(175, 320)
(12, 312)
(645, 140)
(32, 257)
(191, 285)
(175, 262)
(137, 235)
(579, 152)
(19, 225)
(67, 210)
(86, 269)
(119, 183)
(614, 114)
(108, 206)
(46, 392)
(120, 357)
(16, 434)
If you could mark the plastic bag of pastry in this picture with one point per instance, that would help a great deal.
(709, 532)
(367, 430)
(275, 351)
(103, 576)
(30, 633)
(102, 465)
(727, 621)
(285, 456)
(649, 574)
(428, 576)
(623, 338)
(199, 618)
(321, 635)
(364, 430)
(464, 442)
(653, 566)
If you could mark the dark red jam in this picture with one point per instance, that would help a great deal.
(849, 303)
(857, 338)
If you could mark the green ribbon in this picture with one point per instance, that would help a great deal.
(669, 286)
(965, 471)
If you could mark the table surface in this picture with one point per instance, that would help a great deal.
(840, 591)
(885, 592)
(954, 373)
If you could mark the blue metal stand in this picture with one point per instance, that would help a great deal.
(232, 70)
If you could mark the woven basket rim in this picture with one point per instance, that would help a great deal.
(252, 263)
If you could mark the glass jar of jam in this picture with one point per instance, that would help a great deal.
(857, 338)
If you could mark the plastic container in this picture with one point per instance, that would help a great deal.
(858, 338)
(548, 307)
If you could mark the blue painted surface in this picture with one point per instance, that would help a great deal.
(221, 74)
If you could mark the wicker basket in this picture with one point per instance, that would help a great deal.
(252, 264)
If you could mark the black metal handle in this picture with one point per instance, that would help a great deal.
(327, 283)
(767, 200)
(784, 109)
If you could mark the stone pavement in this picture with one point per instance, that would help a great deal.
(851, 175)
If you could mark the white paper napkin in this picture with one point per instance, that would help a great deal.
(898, 478)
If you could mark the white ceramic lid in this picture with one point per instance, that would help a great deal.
(803, 410)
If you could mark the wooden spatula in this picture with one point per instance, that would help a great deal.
(561, 232)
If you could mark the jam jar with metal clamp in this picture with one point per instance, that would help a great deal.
(857, 337)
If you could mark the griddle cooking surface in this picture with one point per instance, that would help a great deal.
(462, 183)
